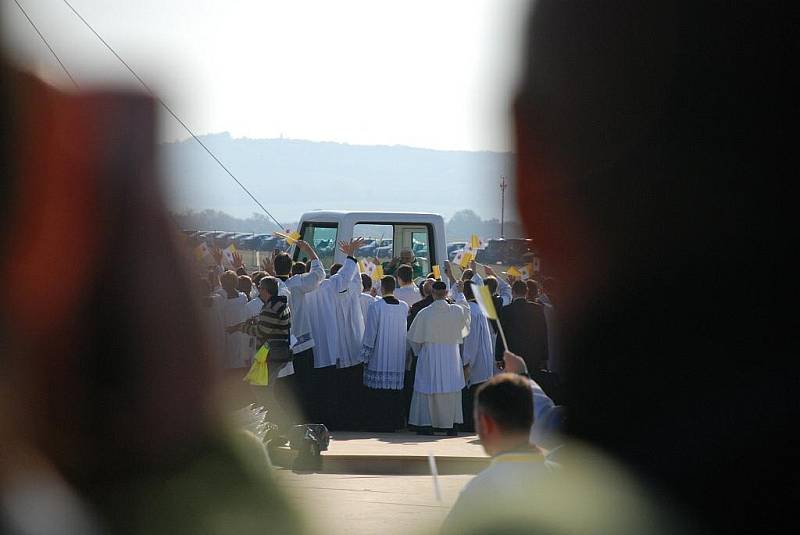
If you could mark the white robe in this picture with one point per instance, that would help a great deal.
(409, 294)
(366, 300)
(384, 345)
(478, 350)
(214, 326)
(335, 318)
(233, 311)
(299, 287)
(434, 336)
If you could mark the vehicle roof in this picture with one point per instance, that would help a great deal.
(320, 215)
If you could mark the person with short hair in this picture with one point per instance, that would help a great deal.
(406, 258)
(366, 298)
(384, 353)
(525, 328)
(233, 310)
(408, 291)
(519, 476)
(435, 336)
(245, 285)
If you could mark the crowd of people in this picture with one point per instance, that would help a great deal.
(405, 351)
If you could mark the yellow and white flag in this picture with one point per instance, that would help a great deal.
(475, 243)
(466, 258)
(526, 272)
(259, 371)
(290, 238)
(437, 274)
(513, 272)
(227, 256)
(377, 273)
(484, 299)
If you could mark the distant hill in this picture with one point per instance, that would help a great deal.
(293, 176)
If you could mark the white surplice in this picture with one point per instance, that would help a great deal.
(409, 294)
(478, 350)
(234, 312)
(337, 325)
(299, 287)
(434, 336)
(214, 325)
(384, 345)
(366, 300)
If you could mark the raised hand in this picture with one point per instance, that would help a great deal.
(216, 252)
(268, 265)
(473, 265)
(237, 260)
(489, 271)
(448, 271)
(349, 248)
(513, 363)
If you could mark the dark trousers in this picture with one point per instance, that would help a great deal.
(408, 387)
(383, 410)
(323, 395)
(303, 387)
(348, 393)
(467, 404)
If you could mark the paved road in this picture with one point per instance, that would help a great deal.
(339, 504)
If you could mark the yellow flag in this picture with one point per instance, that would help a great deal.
(290, 238)
(259, 372)
(466, 259)
(436, 273)
(474, 242)
(484, 299)
(377, 273)
(513, 272)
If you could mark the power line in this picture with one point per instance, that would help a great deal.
(172, 113)
(50, 48)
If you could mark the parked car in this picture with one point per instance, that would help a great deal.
(454, 247)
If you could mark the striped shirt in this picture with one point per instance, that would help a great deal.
(272, 323)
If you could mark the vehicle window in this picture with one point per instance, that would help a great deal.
(420, 246)
(321, 236)
(379, 241)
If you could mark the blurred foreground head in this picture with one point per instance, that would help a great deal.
(103, 367)
(647, 137)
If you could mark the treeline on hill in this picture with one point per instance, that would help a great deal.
(460, 227)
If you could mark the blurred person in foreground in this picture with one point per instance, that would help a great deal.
(519, 471)
(649, 140)
(108, 412)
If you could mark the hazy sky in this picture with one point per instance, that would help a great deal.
(435, 73)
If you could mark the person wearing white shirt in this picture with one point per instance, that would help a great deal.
(297, 285)
(338, 326)
(384, 353)
(435, 336)
(407, 291)
(519, 477)
(366, 298)
(477, 352)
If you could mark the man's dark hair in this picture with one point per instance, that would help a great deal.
(468, 293)
(270, 284)
(491, 283)
(366, 282)
(533, 288)
(404, 273)
(335, 268)
(388, 284)
(430, 276)
(298, 268)
(245, 284)
(283, 264)
(467, 275)
(508, 400)
(257, 276)
(519, 289)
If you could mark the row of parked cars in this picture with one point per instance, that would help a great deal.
(241, 240)
(507, 252)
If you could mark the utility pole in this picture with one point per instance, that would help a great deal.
(503, 186)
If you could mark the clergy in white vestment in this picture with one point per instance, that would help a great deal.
(234, 313)
(298, 285)
(384, 353)
(477, 353)
(435, 336)
(211, 309)
(366, 298)
(338, 327)
(407, 290)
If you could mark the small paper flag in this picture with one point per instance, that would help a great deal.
(513, 272)
(290, 238)
(526, 272)
(227, 255)
(259, 372)
(474, 242)
(377, 273)
(484, 299)
(466, 258)
(436, 273)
